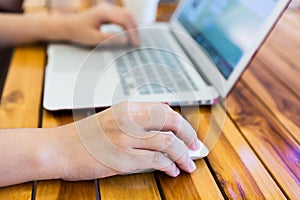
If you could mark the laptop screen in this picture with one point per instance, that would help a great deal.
(225, 29)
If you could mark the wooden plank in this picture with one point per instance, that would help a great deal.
(65, 190)
(246, 154)
(286, 30)
(286, 48)
(280, 52)
(292, 17)
(199, 185)
(229, 157)
(22, 93)
(283, 104)
(137, 186)
(280, 66)
(58, 189)
(20, 102)
(165, 11)
(21, 191)
(273, 144)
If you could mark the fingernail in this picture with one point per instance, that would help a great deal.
(177, 172)
(196, 145)
(192, 167)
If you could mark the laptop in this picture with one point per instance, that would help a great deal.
(194, 59)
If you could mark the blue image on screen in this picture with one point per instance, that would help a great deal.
(225, 29)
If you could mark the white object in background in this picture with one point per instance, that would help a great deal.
(143, 11)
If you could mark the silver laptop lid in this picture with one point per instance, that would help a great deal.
(229, 32)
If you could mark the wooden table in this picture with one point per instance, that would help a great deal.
(256, 156)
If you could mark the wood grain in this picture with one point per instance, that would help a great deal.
(199, 185)
(21, 191)
(281, 101)
(273, 144)
(165, 11)
(280, 38)
(266, 184)
(137, 186)
(280, 52)
(22, 93)
(21, 97)
(56, 189)
(280, 66)
(236, 175)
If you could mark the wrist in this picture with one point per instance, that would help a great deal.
(56, 28)
(51, 154)
(63, 156)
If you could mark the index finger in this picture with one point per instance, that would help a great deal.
(160, 117)
(181, 128)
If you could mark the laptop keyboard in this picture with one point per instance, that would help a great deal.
(153, 68)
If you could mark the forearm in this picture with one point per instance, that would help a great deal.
(40, 154)
(27, 155)
(20, 29)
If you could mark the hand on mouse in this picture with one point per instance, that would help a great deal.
(125, 138)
